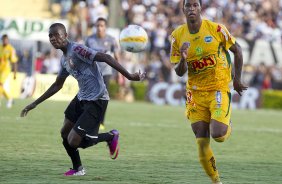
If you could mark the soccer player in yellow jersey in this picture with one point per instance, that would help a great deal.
(201, 47)
(7, 57)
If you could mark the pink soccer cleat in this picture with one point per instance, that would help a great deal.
(113, 144)
(73, 172)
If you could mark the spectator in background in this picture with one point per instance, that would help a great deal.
(8, 57)
(153, 69)
(276, 73)
(66, 6)
(165, 66)
(128, 61)
(95, 10)
(267, 81)
(39, 62)
(159, 38)
(259, 76)
(25, 62)
(77, 19)
(74, 21)
(51, 63)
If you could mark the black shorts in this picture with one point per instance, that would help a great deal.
(86, 116)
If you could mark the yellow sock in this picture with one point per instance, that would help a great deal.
(226, 136)
(207, 159)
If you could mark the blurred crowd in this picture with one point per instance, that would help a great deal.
(248, 19)
(263, 77)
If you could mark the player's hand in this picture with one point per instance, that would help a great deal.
(238, 86)
(27, 109)
(183, 51)
(138, 76)
(15, 76)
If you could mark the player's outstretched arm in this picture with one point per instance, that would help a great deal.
(238, 63)
(101, 57)
(53, 89)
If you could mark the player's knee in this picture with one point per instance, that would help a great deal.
(73, 142)
(64, 133)
(219, 135)
(220, 139)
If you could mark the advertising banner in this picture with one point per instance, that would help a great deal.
(163, 93)
(44, 81)
(31, 29)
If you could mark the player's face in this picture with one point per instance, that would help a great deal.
(5, 41)
(57, 37)
(192, 10)
(101, 27)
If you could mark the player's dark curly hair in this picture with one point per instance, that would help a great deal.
(60, 26)
(199, 1)
(102, 19)
(4, 36)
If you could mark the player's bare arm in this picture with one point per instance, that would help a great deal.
(181, 67)
(53, 89)
(101, 57)
(238, 63)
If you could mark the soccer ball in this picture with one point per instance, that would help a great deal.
(133, 38)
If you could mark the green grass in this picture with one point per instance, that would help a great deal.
(157, 146)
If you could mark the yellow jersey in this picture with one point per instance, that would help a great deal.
(209, 63)
(7, 56)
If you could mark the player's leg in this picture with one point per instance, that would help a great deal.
(3, 79)
(1, 85)
(198, 113)
(220, 125)
(85, 132)
(205, 153)
(220, 131)
(71, 115)
(72, 152)
(113, 143)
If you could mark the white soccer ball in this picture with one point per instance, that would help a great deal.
(133, 38)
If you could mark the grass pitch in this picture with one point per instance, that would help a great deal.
(157, 146)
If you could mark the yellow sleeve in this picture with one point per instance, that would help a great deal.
(227, 39)
(14, 57)
(174, 49)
